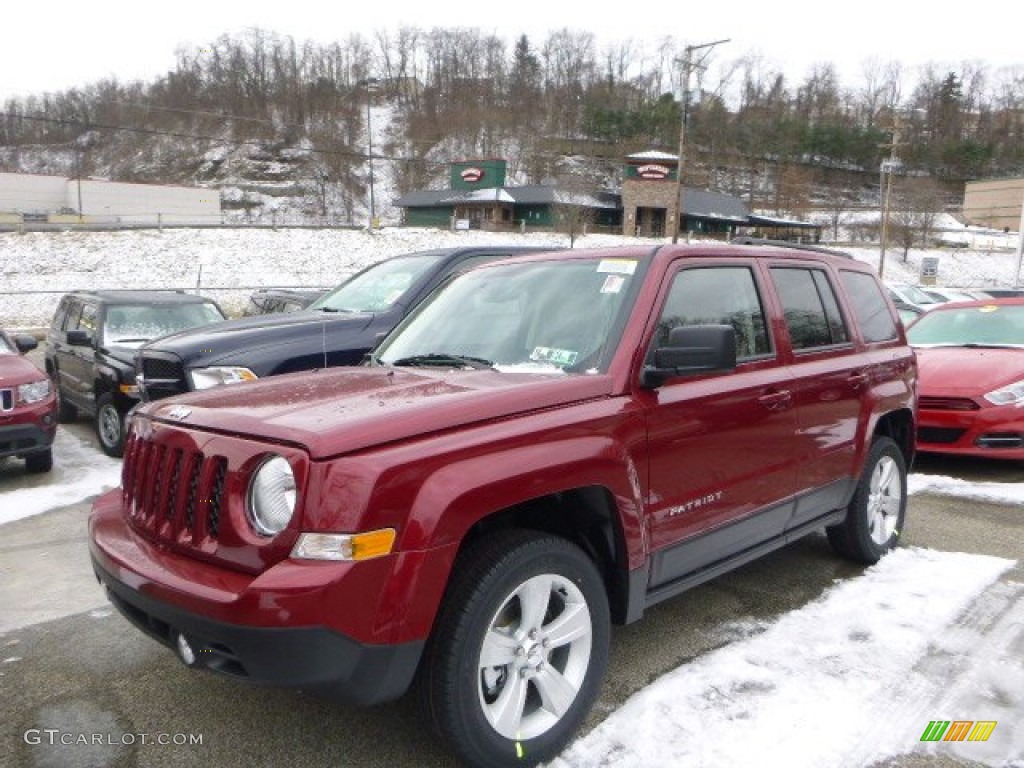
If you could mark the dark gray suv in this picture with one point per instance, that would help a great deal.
(91, 345)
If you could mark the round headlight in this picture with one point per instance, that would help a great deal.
(271, 498)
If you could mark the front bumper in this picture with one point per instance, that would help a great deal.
(240, 625)
(28, 429)
(995, 432)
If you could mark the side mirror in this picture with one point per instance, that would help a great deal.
(79, 338)
(25, 343)
(692, 349)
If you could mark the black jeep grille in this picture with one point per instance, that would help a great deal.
(173, 494)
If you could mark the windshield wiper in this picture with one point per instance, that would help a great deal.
(443, 359)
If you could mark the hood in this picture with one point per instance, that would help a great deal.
(121, 353)
(15, 370)
(225, 338)
(967, 372)
(340, 410)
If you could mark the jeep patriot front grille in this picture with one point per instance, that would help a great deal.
(173, 494)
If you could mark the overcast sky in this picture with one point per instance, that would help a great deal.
(58, 44)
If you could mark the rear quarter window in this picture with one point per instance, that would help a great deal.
(869, 306)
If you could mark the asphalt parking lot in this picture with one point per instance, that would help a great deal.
(87, 671)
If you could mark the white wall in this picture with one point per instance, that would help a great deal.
(109, 201)
(117, 201)
(31, 193)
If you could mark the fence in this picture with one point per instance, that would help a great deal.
(232, 299)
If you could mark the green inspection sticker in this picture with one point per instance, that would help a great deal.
(556, 356)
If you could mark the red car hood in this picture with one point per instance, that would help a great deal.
(967, 372)
(336, 411)
(15, 370)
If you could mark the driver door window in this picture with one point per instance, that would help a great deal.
(718, 296)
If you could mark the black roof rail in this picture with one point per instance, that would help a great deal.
(746, 240)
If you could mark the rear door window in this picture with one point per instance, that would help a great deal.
(810, 307)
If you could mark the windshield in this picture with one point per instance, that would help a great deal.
(551, 316)
(376, 289)
(135, 324)
(986, 325)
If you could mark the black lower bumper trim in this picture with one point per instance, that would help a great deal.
(24, 439)
(316, 659)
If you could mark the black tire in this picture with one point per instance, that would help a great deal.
(39, 462)
(110, 426)
(460, 696)
(875, 516)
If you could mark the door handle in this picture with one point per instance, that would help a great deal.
(857, 379)
(778, 400)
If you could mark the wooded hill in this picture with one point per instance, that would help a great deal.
(264, 115)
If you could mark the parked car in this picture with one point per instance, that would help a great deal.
(908, 313)
(269, 301)
(339, 328)
(28, 405)
(971, 359)
(545, 446)
(945, 295)
(1002, 293)
(912, 294)
(91, 344)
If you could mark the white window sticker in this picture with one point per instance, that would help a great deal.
(617, 266)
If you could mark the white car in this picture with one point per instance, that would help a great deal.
(912, 294)
(945, 295)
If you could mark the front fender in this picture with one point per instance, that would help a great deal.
(457, 496)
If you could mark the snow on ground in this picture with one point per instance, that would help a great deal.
(996, 493)
(79, 471)
(36, 267)
(847, 680)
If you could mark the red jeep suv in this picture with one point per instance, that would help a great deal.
(545, 446)
(28, 405)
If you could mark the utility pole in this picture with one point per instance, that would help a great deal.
(368, 84)
(1020, 247)
(887, 168)
(78, 179)
(687, 67)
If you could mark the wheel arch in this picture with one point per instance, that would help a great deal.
(899, 425)
(588, 517)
